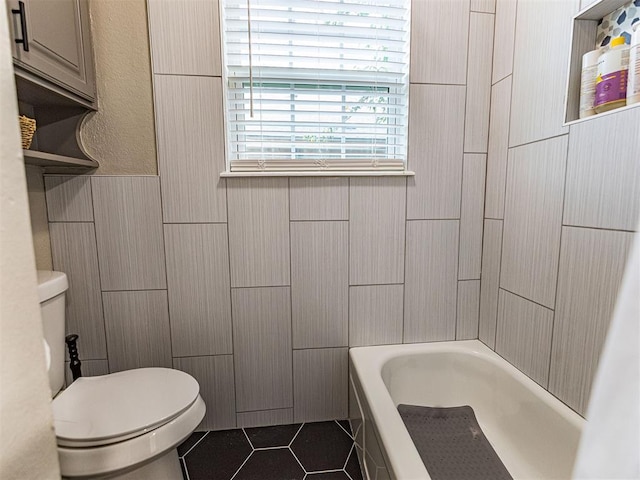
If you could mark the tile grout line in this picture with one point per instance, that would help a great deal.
(196, 444)
(248, 439)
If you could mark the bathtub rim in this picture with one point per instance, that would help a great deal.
(404, 460)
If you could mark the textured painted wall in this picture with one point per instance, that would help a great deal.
(121, 135)
(561, 207)
(257, 286)
(29, 444)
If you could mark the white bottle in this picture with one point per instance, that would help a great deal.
(633, 88)
(611, 82)
(588, 82)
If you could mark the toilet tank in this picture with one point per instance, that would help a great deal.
(51, 291)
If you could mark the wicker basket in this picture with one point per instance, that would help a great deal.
(27, 129)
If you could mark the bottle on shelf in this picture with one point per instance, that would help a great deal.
(633, 88)
(611, 80)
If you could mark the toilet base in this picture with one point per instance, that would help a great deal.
(165, 467)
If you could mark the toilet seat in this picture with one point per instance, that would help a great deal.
(120, 457)
(98, 411)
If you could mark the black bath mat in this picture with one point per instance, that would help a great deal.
(451, 443)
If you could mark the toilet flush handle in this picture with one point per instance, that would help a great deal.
(74, 365)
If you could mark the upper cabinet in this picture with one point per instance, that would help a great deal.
(51, 40)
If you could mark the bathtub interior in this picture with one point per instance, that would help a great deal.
(535, 435)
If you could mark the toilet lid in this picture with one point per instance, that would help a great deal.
(110, 408)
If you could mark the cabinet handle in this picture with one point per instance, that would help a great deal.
(23, 25)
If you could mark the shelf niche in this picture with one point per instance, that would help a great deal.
(583, 40)
(56, 144)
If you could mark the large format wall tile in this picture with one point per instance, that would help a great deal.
(532, 220)
(592, 263)
(603, 172)
(185, 37)
(259, 231)
(137, 325)
(471, 214)
(264, 418)
(543, 37)
(215, 376)
(198, 287)
(505, 33)
(431, 281)
(487, 6)
(129, 232)
(73, 248)
(498, 148)
(375, 315)
(436, 138)
(447, 59)
(190, 137)
(524, 335)
(262, 348)
(69, 198)
(467, 311)
(476, 125)
(490, 281)
(320, 384)
(319, 198)
(376, 230)
(320, 284)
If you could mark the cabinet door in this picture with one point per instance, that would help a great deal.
(59, 43)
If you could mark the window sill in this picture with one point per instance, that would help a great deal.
(320, 173)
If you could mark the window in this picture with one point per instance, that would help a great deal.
(316, 84)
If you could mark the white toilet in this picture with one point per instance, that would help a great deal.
(124, 425)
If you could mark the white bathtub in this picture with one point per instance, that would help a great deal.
(535, 435)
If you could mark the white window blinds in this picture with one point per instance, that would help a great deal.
(316, 84)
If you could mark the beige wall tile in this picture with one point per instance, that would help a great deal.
(375, 315)
(198, 287)
(543, 37)
(532, 220)
(376, 230)
(320, 284)
(319, 198)
(69, 198)
(215, 376)
(431, 281)
(320, 384)
(524, 335)
(603, 172)
(476, 124)
(471, 220)
(436, 137)
(264, 418)
(468, 309)
(505, 34)
(190, 137)
(74, 252)
(262, 348)
(129, 232)
(490, 281)
(185, 37)
(498, 148)
(259, 231)
(592, 264)
(137, 325)
(447, 59)
(487, 6)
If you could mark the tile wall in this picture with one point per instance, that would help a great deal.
(561, 207)
(258, 286)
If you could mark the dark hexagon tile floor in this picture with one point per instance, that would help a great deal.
(309, 451)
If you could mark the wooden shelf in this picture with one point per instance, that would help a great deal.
(44, 159)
